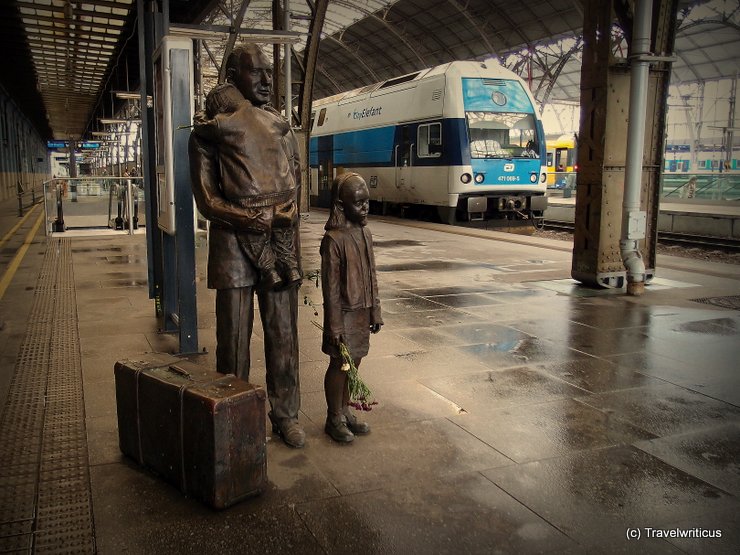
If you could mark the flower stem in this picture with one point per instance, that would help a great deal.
(359, 393)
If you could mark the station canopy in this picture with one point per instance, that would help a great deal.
(67, 58)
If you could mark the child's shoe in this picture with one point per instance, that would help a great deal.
(336, 427)
(355, 425)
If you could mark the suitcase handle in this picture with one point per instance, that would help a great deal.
(178, 370)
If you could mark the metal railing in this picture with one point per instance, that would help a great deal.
(94, 203)
(34, 193)
(690, 187)
(716, 186)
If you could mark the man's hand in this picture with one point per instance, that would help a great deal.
(285, 215)
(336, 339)
(252, 219)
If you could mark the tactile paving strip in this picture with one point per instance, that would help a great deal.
(45, 499)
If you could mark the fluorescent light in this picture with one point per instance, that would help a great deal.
(112, 121)
(245, 35)
(126, 95)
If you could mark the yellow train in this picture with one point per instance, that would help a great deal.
(561, 160)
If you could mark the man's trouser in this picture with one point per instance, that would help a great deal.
(279, 314)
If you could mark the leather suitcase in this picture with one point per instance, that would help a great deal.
(200, 430)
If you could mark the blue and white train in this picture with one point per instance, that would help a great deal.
(463, 137)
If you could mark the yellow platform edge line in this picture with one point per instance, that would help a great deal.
(18, 258)
(10, 233)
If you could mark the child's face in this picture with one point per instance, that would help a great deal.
(355, 201)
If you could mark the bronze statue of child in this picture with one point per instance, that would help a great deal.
(269, 241)
(350, 292)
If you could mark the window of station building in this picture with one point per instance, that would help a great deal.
(429, 140)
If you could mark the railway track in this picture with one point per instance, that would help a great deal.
(727, 244)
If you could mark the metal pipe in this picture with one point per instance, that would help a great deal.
(634, 220)
(130, 207)
(286, 63)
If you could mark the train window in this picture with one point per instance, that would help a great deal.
(322, 117)
(429, 139)
(500, 134)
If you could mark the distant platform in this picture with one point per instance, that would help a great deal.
(704, 218)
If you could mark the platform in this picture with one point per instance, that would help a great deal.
(704, 218)
(518, 411)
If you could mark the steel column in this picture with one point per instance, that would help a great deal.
(147, 40)
(602, 148)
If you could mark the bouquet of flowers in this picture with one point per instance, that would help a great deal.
(359, 393)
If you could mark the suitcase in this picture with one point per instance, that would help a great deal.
(200, 430)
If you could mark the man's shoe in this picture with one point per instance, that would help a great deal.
(290, 430)
(336, 427)
(356, 426)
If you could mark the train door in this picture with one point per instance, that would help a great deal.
(325, 177)
(404, 162)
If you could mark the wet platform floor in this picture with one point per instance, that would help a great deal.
(518, 412)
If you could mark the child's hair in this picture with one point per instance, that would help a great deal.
(336, 215)
(223, 99)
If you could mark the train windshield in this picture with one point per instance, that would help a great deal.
(502, 135)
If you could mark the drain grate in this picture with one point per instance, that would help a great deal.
(45, 498)
(731, 301)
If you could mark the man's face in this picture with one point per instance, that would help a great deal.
(355, 201)
(254, 78)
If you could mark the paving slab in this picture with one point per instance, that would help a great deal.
(595, 497)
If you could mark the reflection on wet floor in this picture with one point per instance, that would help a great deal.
(396, 243)
(98, 249)
(516, 414)
(124, 260)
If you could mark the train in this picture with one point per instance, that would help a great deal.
(561, 160)
(707, 158)
(463, 139)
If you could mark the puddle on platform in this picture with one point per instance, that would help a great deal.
(123, 259)
(125, 283)
(98, 249)
(127, 276)
(435, 265)
(577, 289)
(441, 291)
(398, 243)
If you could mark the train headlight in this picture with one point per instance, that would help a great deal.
(543, 177)
(533, 178)
(465, 178)
(479, 178)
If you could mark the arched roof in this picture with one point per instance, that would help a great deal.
(363, 41)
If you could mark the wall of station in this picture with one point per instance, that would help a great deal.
(24, 159)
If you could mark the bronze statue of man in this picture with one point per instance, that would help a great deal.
(245, 174)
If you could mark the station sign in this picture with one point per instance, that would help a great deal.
(84, 145)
